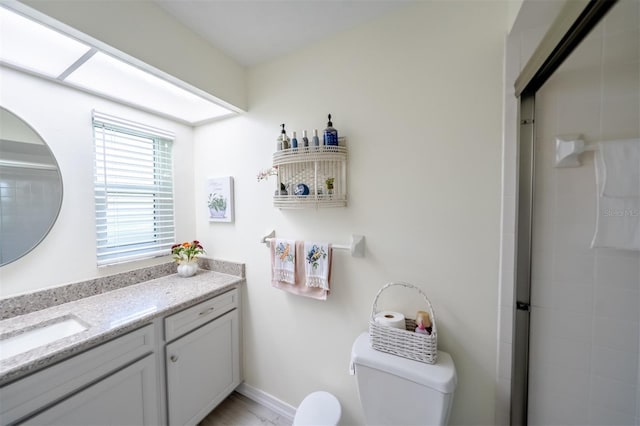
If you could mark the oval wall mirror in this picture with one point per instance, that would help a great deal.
(30, 188)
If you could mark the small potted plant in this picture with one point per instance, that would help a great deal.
(186, 256)
(217, 206)
(329, 184)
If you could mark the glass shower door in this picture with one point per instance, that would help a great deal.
(583, 365)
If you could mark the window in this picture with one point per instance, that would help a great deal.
(133, 190)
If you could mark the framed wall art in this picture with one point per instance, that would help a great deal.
(220, 199)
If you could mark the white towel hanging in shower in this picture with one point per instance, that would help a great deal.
(621, 168)
(618, 218)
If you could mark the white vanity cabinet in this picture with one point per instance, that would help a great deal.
(172, 371)
(203, 359)
(127, 397)
(114, 383)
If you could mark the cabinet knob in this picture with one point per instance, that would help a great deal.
(174, 358)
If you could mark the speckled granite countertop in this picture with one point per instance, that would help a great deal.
(109, 315)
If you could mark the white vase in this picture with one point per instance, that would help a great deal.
(188, 269)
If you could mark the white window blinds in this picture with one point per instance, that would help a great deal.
(133, 190)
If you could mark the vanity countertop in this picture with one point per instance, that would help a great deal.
(109, 315)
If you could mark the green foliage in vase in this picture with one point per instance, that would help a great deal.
(217, 202)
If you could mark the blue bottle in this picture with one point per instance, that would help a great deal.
(294, 142)
(315, 140)
(330, 134)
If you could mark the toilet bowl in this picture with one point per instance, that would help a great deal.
(318, 409)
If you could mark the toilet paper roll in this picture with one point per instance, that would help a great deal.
(390, 319)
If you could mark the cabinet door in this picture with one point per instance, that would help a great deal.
(203, 368)
(127, 397)
(22, 398)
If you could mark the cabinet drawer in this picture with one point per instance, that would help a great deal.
(47, 386)
(184, 321)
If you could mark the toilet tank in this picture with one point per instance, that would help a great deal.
(400, 391)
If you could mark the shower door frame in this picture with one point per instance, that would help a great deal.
(570, 28)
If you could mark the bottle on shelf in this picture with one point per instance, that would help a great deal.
(279, 145)
(315, 139)
(330, 134)
(285, 138)
(305, 141)
(294, 141)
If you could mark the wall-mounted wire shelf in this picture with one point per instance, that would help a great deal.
(314, 176)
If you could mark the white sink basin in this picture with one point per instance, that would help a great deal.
(40, 335)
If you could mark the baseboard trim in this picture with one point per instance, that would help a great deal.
(261, 397)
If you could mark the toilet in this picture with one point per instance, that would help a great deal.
(318, 409)
(399, 391)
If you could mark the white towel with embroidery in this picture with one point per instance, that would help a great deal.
(618, 219)
(283, 261)
(317, 263)
(620, 168)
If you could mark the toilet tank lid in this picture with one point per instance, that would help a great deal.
(440, 376)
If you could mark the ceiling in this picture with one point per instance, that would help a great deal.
(256, 31)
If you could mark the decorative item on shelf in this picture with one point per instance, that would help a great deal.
(282, 190)
(186, 256)
(302, 189)
(294, 142)
(330, 134)
(329, 184)
(273, 171)
(305, 141)
(265, 173)
(220, 199)
(315, 139)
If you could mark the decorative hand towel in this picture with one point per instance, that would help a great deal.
(283, 260)
(621, 168)
(317, 264)
(299, 288)
(618, 219)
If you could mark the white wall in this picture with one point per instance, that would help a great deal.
(62, 116)
(418, 94)
(145, 31)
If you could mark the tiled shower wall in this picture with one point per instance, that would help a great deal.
(585, 316)
(29, 201)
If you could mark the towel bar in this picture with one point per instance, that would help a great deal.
(568, 148)
(356, 246)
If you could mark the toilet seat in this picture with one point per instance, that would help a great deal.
(318, 408)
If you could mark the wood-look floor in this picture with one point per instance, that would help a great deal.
(238, 410)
